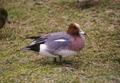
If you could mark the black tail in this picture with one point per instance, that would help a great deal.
(33, 37)
(34, 47)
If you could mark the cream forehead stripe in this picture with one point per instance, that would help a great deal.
(77, 25)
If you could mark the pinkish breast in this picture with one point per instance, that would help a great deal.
(77, 43)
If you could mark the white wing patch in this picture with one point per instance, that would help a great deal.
(60, 40)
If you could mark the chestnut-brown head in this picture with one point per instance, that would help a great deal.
(73, 29)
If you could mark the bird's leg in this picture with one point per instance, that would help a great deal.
(60, 58)
(55, 59)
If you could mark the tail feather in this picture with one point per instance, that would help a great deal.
(34, 47)
(33, 37)
(24, 49)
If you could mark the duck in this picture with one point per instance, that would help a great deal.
(83, 4)
(59, 44)
(3, 17)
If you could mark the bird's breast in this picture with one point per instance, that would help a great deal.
(77, 44)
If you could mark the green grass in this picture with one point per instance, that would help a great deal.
(98, 62)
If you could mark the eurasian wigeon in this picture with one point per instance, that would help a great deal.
(59, 44)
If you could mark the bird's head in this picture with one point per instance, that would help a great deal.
(75, 30)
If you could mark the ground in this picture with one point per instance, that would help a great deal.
(98, 62)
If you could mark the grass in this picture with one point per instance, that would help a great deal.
(98, 62)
